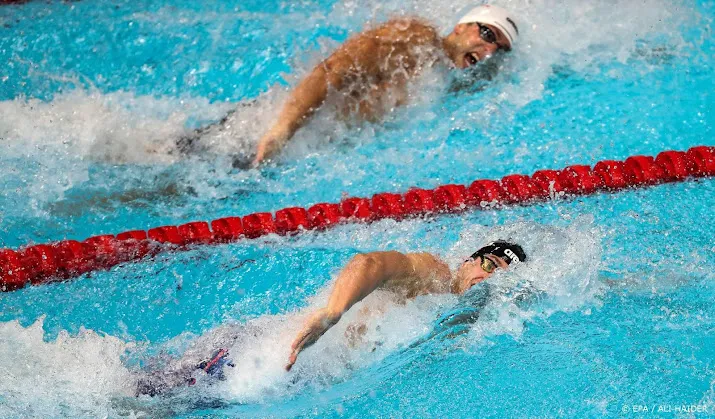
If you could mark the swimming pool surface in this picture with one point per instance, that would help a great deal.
(613, 314)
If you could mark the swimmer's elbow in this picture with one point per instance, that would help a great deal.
(359, 278)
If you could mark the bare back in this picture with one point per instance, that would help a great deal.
(428, 275)
(377, 64)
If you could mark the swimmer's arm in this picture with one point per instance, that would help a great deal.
(360, 277)
(303, 101)
(363, 275)
(310, 94)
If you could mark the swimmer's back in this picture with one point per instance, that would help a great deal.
(391, 46)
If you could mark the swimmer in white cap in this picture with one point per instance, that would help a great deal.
(370, 71)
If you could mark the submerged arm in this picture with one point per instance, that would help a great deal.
(361, 276)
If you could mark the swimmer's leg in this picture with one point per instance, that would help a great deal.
(158, 382)
(193, 143)
(185, 371)
(214, 366)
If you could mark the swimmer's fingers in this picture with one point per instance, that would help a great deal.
(271, 143)
(262, 151)
(315, 327)
(256, 161)
(259, 160)
(306, 337)
(293, 357)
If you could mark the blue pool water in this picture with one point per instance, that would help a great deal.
(613, 314)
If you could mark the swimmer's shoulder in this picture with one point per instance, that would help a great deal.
(366, 48)
(411, 30)
(426, 274)
(427, 265)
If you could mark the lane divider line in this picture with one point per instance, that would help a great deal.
(67, 259)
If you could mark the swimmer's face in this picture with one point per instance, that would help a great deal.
(474, 271)
(476, 42)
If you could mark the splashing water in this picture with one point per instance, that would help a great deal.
(90, 120)
(66, 134)
(70, 376)
(261, 345)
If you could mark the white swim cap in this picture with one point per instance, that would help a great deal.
(496, 16)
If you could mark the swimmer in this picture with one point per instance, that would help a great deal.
(371, 70)
(369, 74)
(407, 276)
(404, 275)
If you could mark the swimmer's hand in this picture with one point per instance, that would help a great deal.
(317, 324)
(270, 144)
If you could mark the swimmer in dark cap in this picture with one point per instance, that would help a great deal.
(408, 275)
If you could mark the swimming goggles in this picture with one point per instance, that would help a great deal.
(487, 264)
(487, 34)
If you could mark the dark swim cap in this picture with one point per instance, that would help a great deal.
(510, 252)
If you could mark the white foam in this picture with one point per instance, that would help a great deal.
(72, 376)
(85, 373)
(571, 278)
(261, 354)
(49, 147)
(78, 375)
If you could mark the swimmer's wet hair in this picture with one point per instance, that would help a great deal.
(510, 252)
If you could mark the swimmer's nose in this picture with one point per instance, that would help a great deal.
(490, 49)
(477, 280)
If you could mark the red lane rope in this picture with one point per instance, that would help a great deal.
(69, 258)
